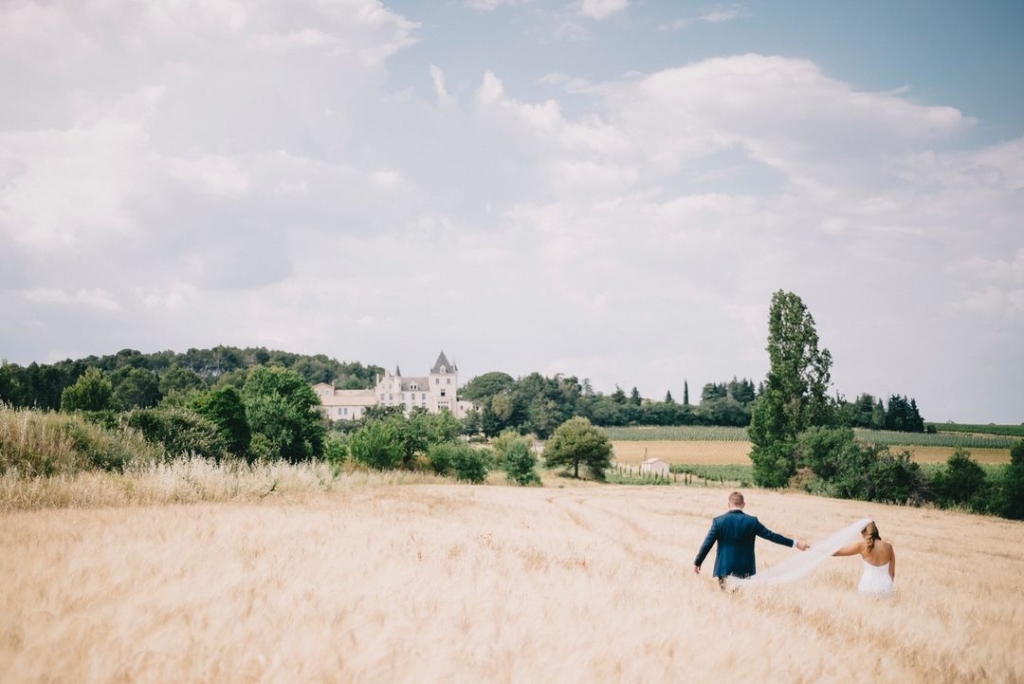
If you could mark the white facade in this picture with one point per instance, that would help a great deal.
(655, 466)
(435, 392)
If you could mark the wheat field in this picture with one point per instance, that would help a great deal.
(456, 583)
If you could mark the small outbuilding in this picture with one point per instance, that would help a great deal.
(655, 466)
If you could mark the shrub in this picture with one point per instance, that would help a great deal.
(442, 457)
(378, 444)
(180, 431)
(36, 443)
(1008, 500)
(520, 463)
(960, 482)
(471, 464)
(336, 449)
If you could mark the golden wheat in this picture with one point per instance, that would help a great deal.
(365, 581)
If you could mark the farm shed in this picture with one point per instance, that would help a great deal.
(655, 466)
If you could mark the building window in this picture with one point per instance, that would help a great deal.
(437, 381)
(346, 411)
(448, 381)
(442, 392)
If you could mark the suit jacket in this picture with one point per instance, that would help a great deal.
(735, 533)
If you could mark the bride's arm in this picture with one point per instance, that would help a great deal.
(851, 550)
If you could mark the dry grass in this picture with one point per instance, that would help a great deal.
(738, 453)
(372, 582)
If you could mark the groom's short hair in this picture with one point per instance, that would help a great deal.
(736, 500)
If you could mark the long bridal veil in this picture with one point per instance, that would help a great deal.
(800, 564)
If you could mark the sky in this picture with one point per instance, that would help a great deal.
(606, 189)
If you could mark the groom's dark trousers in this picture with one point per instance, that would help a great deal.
(735, 533)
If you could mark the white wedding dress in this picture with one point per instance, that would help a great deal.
(800, 564)
(875, 581)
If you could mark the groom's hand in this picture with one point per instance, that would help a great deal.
(696, 569)
(802, 545)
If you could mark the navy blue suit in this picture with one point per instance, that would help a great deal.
(735, 532)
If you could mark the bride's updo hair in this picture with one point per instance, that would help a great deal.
(870, 534)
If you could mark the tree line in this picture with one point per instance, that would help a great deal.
(145, 380)
(531, 404)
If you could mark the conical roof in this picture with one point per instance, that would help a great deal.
(442, 362)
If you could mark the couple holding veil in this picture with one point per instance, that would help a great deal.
(735, 566)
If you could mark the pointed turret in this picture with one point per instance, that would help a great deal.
(442, 365)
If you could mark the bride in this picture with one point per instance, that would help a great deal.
(879, 562)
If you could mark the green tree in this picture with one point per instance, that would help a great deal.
(180, 431)
(515, 455)
(178, 380)
(520, 463)
(485, 386)
(1009, 501)
(379, 444)
(471, 465)
(136, 387)
(282, 407)
(223, 406)
(577, 442)
(960, 482)
(795, 395)
(91, 392)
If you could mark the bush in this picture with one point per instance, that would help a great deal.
(442, 457)
(36, 443)
(847, 469)
(336, 450)
(520, 463)
(180, 431)
(1008, 500)
(378, 444)
(471, 464)
(960, 483)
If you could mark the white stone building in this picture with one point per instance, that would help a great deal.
(655, 466)
(435, 392)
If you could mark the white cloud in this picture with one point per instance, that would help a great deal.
(715, 16)
(992, 301)
(980, 268)
(211, 174)
(96, 299)
(490, 90)
(488, 5)
(66, 186)
(437, 77)
(292, 40)
(602, 9)
(387, 180)
(569, 176)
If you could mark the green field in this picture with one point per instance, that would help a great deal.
(677, 433)
(712, 433)
(989, 429)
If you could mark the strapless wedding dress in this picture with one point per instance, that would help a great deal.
(875, 581)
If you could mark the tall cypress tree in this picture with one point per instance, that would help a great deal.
(795, 395)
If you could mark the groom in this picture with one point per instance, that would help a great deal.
(735, 532)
